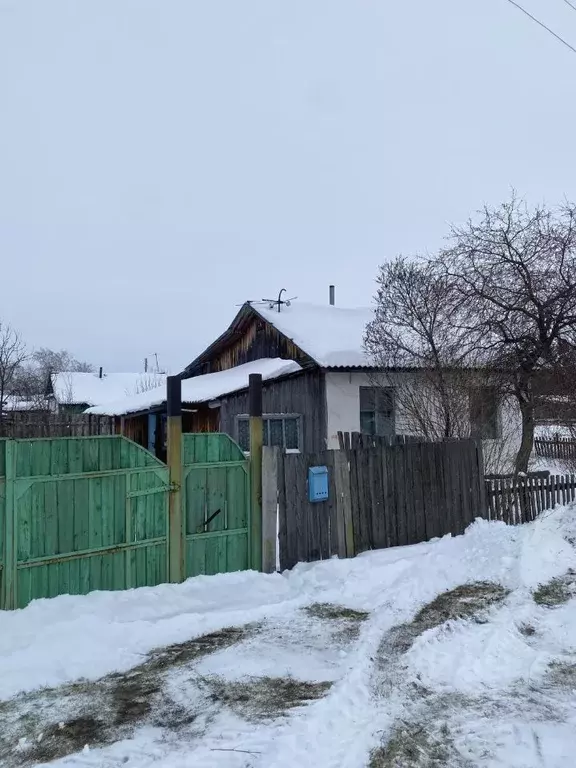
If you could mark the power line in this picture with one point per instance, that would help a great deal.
(541, 23)
(570, 4)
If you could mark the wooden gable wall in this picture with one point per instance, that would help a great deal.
(257, 339)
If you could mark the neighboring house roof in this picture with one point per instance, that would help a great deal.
(201, 389)
(73, 388)
(328, 336)
(14, 403)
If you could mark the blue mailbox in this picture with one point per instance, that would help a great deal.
(317, 484)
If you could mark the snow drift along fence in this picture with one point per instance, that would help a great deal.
(517, 500)
(379, 497)
(555, 448)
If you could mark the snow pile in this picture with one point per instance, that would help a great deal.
(462, 650)
(332, 336)
(202, 389)
(73, 388)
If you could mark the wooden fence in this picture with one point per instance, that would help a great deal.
(555, 448)
(79, 514)
(21, 425)
(354, 440)
(378, 497)
(517, 500)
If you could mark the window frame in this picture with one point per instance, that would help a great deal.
(267, 417)
(476, 400)
(378, 416)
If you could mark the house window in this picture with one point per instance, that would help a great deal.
(377, 411)
(281, 430)
(484, 413)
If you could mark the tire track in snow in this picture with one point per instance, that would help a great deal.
(338, 731)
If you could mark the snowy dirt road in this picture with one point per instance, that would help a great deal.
(460, 652)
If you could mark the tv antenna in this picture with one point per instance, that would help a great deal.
(278, 303)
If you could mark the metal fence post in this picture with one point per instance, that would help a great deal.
(176, 534)
(9, 591)
(256, 440)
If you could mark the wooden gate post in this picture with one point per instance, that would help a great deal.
(256, 440)
(176, 534)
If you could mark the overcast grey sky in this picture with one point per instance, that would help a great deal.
(164, 160)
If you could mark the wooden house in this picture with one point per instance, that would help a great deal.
(317, 381)
(142, 417)
(75, 391)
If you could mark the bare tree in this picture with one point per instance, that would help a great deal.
(12, 355)
(494, 312)
(414, 341)
(57, 361)
(515, 272)
(32, 379)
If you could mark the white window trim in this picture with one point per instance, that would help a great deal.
(267, 416)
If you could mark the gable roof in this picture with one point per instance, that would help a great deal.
(327, 336)
(73, 388)
(202, 389)
(332, 336)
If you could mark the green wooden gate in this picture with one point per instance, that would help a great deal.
(79, 514)
(87, 513)
(216, 504)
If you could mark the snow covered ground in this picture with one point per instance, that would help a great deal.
(459, 652)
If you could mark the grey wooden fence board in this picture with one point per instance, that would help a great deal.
(382, 495)
(343, 504)
(392, 495)
(388, 499)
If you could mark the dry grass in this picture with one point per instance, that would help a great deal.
(563, 675)
(413, 746)
(468, 601)
(56, 722)
(557, 591)
(261, 698)
(332, 612)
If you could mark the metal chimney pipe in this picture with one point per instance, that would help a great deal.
(332, 295)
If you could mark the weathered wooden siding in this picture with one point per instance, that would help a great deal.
(135, 428)
(303, 394)
(202, 419)
(257, 340)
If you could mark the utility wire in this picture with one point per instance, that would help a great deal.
(541, 24)
(570, 4)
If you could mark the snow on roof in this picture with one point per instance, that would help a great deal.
(332, 336)
(15, 403)
(201, 389)
(73, 388)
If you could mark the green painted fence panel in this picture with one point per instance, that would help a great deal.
(91, 513)
(2, 514)
(80, 514)
(216, 499)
